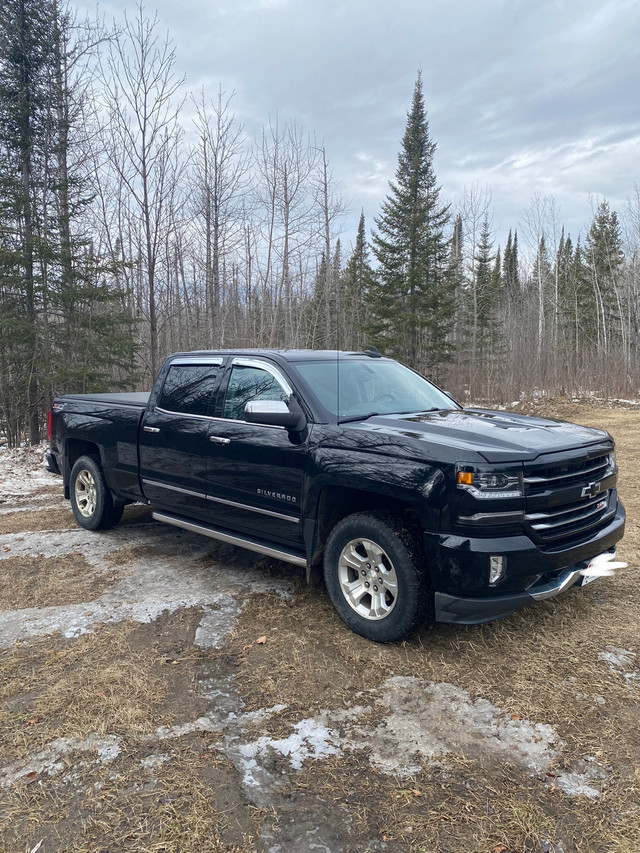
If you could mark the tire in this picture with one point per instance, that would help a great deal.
(91, 499)
(374, 572)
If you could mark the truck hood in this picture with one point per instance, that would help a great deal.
(495, 436)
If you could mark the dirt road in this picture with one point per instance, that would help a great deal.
(160, 692)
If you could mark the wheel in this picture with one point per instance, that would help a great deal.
(91, 499)
(375, 576)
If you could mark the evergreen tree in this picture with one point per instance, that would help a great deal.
(487, 295)
(484, 274)
(604, 259)
(357, 280)
(25, 66)
(510, 270)
(61, 324)
(411, 305)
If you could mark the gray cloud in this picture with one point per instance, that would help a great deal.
(526, 97)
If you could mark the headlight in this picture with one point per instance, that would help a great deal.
(489, 484)
(612, 460)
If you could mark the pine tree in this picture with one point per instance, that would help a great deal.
(487, 277)
(411, 305)
(61, 324)
(357, 280)
(484, 270)
(510, 271)
(604, 259)
(25, 65)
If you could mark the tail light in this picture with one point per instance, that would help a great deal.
(49, 431)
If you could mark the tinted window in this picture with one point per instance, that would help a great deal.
(188, 388)
(247, 384)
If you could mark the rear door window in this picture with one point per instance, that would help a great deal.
(188, 389)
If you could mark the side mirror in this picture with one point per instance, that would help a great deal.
(276, 413)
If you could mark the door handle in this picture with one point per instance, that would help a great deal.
(218, 439)
(151, 429)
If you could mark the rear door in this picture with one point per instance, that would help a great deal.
(174, 443)
(255, 471)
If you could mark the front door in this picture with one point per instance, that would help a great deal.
(255, 471)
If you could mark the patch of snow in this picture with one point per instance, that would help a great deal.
(584, 778)
(622, 662)
(215, 625)
(173, 576)
(202, 724)
(425, 722)
(547, 846)
(575, 785)
(33, 505)
(22, 471)
(152, 762)
(50, 761)
(309, 740)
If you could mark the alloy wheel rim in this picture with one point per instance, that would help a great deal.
(85, 493)
(367, 579)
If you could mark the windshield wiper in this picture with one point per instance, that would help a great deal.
(358, 418)
(373, 414)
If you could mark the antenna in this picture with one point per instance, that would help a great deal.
(337, 294)
(372, 352)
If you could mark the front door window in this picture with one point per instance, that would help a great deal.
(247, 384)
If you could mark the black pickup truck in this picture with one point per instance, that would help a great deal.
(414, 507)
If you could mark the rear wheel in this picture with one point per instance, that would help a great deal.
(91, 499)
(374, 572)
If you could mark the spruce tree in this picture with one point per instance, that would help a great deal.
(604, 258)
(25, 65)
(357, 280)
(510, 272)
(411, 304)
(62, 327)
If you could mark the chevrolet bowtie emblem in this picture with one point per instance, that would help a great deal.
(591, 490)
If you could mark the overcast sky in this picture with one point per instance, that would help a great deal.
(541, 96)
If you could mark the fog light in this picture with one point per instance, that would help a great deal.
(497, 568)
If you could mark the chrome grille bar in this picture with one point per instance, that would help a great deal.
(558, 522)
(569, 475)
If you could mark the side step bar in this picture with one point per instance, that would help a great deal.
(232, 539)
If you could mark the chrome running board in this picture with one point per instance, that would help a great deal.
(230, 539)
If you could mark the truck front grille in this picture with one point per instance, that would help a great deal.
(566, 500)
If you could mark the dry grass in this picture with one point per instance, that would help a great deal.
(49, 581)
(28, 521)
(116, 681)
(187, 806)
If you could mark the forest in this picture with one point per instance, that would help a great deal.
(135, 222)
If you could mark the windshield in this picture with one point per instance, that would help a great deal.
(352, 388)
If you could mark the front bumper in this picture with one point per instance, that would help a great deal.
(471, 611)
(459, 571)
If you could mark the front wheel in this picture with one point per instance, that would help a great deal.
(375, 576)
(91, 499)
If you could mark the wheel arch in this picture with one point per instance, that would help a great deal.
(336, 502)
